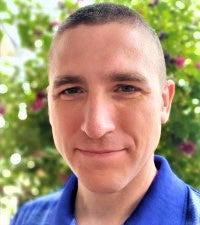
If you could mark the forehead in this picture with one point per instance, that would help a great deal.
(99, 49)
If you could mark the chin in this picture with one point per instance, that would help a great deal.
(103, 188)
(103, 184)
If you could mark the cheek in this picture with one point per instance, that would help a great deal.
(141, 120)
(64, 118)
(65, 125)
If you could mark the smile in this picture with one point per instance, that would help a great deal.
(100, 153)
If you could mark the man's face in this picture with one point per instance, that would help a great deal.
(106, 103)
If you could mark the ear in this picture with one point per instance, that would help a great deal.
(168, 91)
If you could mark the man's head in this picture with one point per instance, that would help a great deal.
(107, 97)
(99, 14)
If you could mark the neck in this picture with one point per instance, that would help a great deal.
(99, 208)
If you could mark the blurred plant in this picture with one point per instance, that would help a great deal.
(188, 147)
(29, 164)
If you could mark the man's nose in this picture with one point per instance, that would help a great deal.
(98, 118)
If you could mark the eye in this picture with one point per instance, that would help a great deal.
(71, 92)
(127, 88)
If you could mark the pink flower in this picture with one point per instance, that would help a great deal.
(41, 94)
(188, 147)
(2, 110)
(38, 104)
(198, 65)
(180, 62)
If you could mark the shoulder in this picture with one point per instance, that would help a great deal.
(44, 200)
(194, 195)
(193, 206)
(39, 209)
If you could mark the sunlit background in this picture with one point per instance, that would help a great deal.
(29, 164)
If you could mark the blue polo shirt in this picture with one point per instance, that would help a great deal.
(168, 201)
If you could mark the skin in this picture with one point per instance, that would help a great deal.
(106, 107)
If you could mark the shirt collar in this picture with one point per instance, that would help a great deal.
(65, 209)
(163, 203)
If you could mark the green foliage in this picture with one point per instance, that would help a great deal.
(23, 107)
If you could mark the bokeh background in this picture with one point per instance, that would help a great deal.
(29, 163)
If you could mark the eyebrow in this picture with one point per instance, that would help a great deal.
(67, 79)
(134, 77)
(113, 77)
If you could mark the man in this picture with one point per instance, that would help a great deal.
(108, 97)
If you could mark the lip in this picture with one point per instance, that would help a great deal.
(100, 153)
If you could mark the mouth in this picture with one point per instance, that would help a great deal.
(100, 153)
